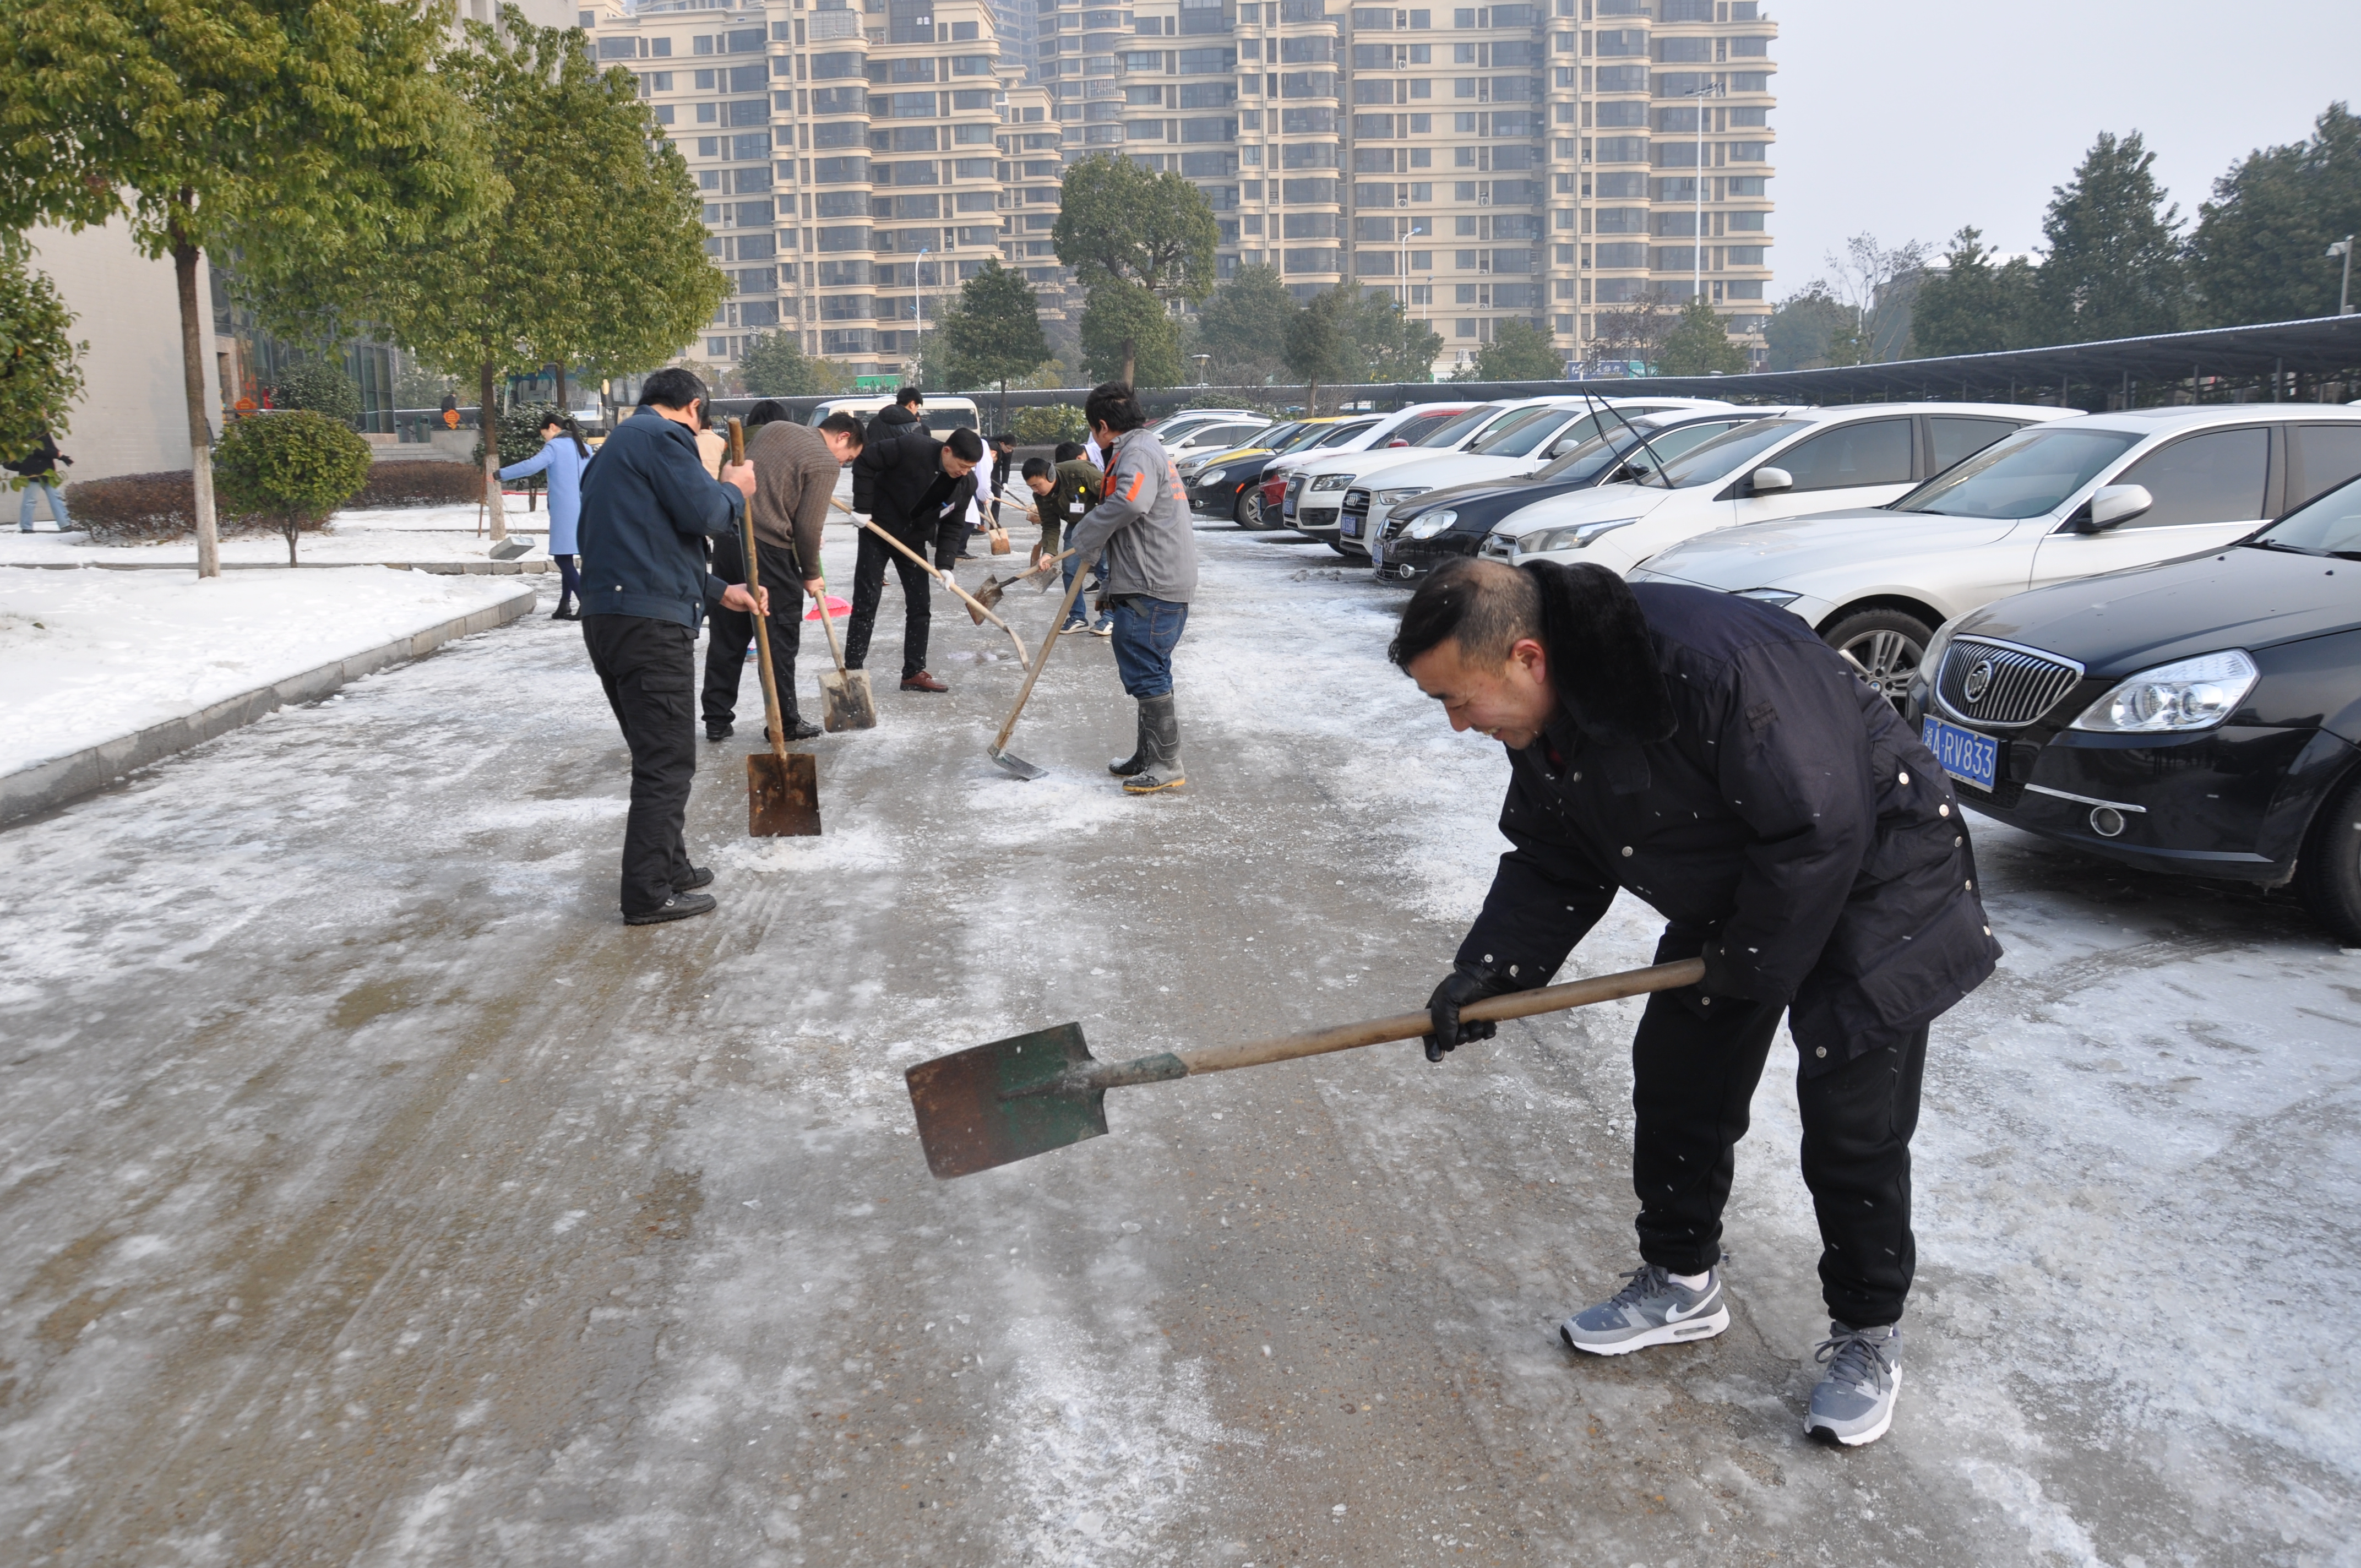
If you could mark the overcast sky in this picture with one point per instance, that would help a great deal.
(1907, 118)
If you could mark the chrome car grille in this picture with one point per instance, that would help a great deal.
(2011, 686)
(1499, 547)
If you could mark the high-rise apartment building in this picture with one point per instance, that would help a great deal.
(1559, 162)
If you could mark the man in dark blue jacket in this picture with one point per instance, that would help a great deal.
(648, 506)
(1715, 758)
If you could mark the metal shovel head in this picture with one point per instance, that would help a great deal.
(999, 1103)
(846, 701)
(510, 549)
(1011, 763)
(782, 795)
(989, 594)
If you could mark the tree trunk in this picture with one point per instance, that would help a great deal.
(1130, 360)
(487, 425)
(561, 388)
(1003, 404)
(291, 527)
(1311, 399)
(201, 428)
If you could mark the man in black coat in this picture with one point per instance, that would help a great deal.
(1713, 756)
(915, 488)
(648, 506)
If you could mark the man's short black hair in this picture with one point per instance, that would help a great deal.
(1114, 405)
(1487, 606)
(909, 397)
(843, 423)
(1036, 468)
(769, 410)
(671, 387)
(965, 445)
(1004, 439)
(1067, 452)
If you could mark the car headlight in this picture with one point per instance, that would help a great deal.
(2191, 694)
(1429, 525)
(1332, 482)
(1930, 663)
(1396, 497)
(1579, 537)
(1779, 596)
(1212, 477)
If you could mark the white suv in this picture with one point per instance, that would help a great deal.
(1810, 461)
(1521, 438)
(2074, 498)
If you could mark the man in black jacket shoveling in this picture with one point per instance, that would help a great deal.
(910, 485)
(1713, 756)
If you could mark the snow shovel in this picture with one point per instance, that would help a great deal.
(990, 593)
(998, 751)
(1027, 1094)
(977, 611)
(845, 699)
(782, 789)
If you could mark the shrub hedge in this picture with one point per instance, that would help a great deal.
(132, 509)
(420, 483)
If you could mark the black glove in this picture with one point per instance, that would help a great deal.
(1468, 983)
(1721, 991)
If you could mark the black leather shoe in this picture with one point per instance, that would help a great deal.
(679, 906)
(697, 877)
(797, 730)
(720, 732)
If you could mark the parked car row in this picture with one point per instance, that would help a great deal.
(2105, 638)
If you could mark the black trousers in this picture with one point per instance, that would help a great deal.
(1693, 1079)
(869, 590)
(951, 535)
(725, 644)
(649, 668)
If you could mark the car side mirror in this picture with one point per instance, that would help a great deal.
(2118, 503)
(1769, 480)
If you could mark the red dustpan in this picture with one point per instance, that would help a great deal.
(836, 607)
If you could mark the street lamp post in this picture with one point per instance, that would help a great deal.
(918, 285)
(1410, 232)
(1696, 248)
(2343, 247)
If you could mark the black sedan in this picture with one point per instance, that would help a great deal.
(2200, 716)
(1443, 524)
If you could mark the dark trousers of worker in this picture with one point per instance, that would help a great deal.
(649, 668)
(869, 590)
(733, 630)
(1693, 1079)
(952, 535)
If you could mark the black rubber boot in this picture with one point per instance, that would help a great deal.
(1141, 750)
(1160, 744)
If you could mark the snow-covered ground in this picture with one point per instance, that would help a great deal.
(91, 655)
(373, 1196)
(352, 538)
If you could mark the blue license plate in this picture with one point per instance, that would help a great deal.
(1964, 754)
(1377, 551)
(1349, 524)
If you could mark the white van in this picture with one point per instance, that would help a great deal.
(942, 416)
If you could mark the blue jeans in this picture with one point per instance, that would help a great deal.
(57, 504)
(1145, 633)
(1082, 610)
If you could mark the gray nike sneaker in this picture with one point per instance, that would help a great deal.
(1855, 1401)
(1653, 1308)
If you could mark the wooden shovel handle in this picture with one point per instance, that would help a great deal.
(978, 606)
(763, 640)
(1410, 1026)
(1065, 607)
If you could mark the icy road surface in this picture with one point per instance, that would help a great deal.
(373, 1196)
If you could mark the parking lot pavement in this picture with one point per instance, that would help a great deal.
(373, 1196)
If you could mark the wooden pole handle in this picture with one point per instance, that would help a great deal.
(762, 641)
(1065, 607)
(1410, 1026)
(974, 604)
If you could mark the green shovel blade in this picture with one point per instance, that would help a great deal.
(997, 1103)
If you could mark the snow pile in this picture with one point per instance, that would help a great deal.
(93, 655)
(352, 538)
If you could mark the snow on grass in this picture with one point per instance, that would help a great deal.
(351, 538)
(94, 655)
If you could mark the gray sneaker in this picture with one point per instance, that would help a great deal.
(1855, 1401)
(1653, 1308)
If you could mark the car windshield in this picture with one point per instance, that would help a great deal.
(1666, 445)
(1456, 428)
(1412, 432)
(1343, 432)
(1520, 433)
(1717, 459)
(1305, 435)
(2026, 474)
(1274, 439)
(2329, 526)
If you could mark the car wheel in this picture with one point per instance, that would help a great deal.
(1248, 512)
(1884, 647)
(2328, 878)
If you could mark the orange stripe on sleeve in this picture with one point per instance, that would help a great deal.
(1138, 483)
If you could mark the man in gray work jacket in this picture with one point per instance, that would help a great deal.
(1142, 523)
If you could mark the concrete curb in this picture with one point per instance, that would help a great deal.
(440, 568)
(62, 779)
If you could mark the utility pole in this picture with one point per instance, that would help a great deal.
(2343, 247)
(1713, 89)
(1410, 230)
(917, 283)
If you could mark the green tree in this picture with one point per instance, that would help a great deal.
(773, 364)
(1700, 345)
(1319, 343)
(1812, 328)
(594, 252)
(1970, 306)
(1048, 425)
(2259, 253)
(321, 386)
(2113, 264)
(1128, 336)
(1244, 325)
(1518, 351)
(993, 334)
(1117, 220)
(291, 469)
(520, 433)
(1391, 345)
(39, 375)
(306, 135)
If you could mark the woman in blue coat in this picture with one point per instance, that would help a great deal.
(562, 456)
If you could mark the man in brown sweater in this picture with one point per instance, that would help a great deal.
(795, 468)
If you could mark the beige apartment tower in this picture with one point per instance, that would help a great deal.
(1559, 162)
